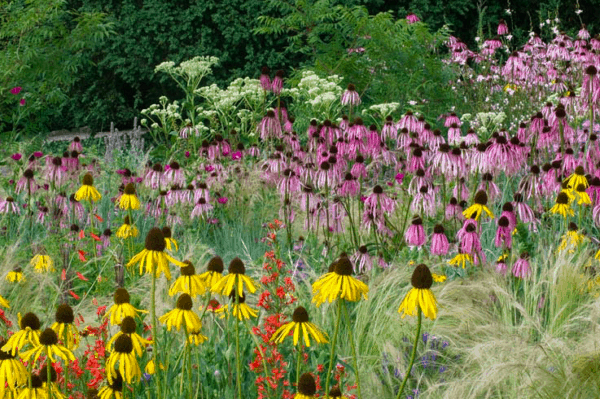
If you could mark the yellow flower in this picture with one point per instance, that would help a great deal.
(339, 283)
(438, 278)
(577, 178)
(64, 328)
(572, 239)
(306, 387)
(562, 205)
(480, 206)
(12, 372)
(582, 196)
(42, 263)
(420, 296)
(37, 390)
(48, 345)
(196, 338)
(189, 282)
(129, 200)
(87, 191)
(122, 308)
(127, 229)
(237, 309)
(123, 355)
(182, 314)
(461, 260)
(15, 276)
(4, 303)
(335, 393)
(114, 390)
(236, 278)
(54, 389)
(28, 334)
(169, 240)
(300, 322)
(153, 256)
(128, 327)
(214, 273)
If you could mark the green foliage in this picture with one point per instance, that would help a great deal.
(386, 58)
(42, 48)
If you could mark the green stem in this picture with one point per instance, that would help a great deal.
(414, 352)
(48, 373)
(334, 340)
(354, 357)
(237, 356)
(65, 336)
(298, 364)
(155, 345)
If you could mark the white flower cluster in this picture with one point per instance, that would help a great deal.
(384, 109)
(169, 111)
(196, 67)
(240, 90)
(318, 92)
(485, 122)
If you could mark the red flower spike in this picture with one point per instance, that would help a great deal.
(63, 275)
(81, 234)
(74, 295)
(99, 218)
(82, 255)
(95, 237)
(82, 277)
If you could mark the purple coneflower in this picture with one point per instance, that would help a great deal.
(362, 260)
(439, 241)
(76, 145)
(521, 267)
(470, 242)
(265, 79)
(350, 96)
(503, 233)
(415, 234)
(277, 83)
(27, 183)
(8, 205)
(269, 126)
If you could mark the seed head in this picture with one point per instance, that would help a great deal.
(64, 314)
(121, 296)
(422, 277)
(216, 265)
(30, 320)
(306, 385)
(128, 325)
(184, 302)
(88, 180)
(300, 315)
(236, 266)
(155, 240)
(123, 344)
(48, 337)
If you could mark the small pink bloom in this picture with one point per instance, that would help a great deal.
(16, 156)
(22, 102)
(222, 200)
(16, 90)
(38, 154)
(187, 154)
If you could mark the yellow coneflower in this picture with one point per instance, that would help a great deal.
(236, 278)
(64, 326)
(37, 390)
(128, 327)
(129, 200)
(123, 355)
(12, 372)
(4, 303)
(189, 282)
(420, 296)
(196, 338)
(182, 314)
(28, 334)
(577, 178)
(151, 367)
(583, 197)
(460, 259)
(240, 309)
(153, 256)
(214, 272)
(335, 393)
(127, 229)
(300, 323)
(339, 283)
(169, 240)
(122, 308)
(54, 389)
(307, 388)
(438, 278)
(480, 206)
(562, 206)
(114, 390)
(42, 263)
(15, 275)
(87, 191)
(48, 345)
(572, 239)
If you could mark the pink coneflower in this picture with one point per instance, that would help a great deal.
(470, 242)
(189, 130)
(502, 28)
(42, 213)
(462, 189)
(105, 237)
(501, 267)
(324, 176)
(423, 201)
(389, 131)
(524, 212)
(174, 175)
(277, 83)
(265, 79)
(590, 88)
(416, 160)
(378, 202)
(269, 126)
(453, 209)
(55, 172)
(74, 207)
(155, 177)
(439, 241)
(358, 169)
(452, 119)
(489, 186)
(454, 134)
(521, 267)
(412, 18)
(27, 183)
(350, 96)
(503, 233)
(415, 234)
(8, 205)
(409, 121)
(362, 260)
(349, 187)
(75, 145)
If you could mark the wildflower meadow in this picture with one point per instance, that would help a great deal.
(379, 228)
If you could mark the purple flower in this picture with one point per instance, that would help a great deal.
(187, 154)
(16, 156)
(38, 154)
(22, 102)
(16, 90)
(236, 155)
(400, 177)
(222, 200)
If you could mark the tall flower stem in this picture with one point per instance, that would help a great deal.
(48, 373)
(238, 367)
(65, 336)
(414, 352)
(155, 346)
(262, 353)
(333, 342)
(298, 364)
(353, 346)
